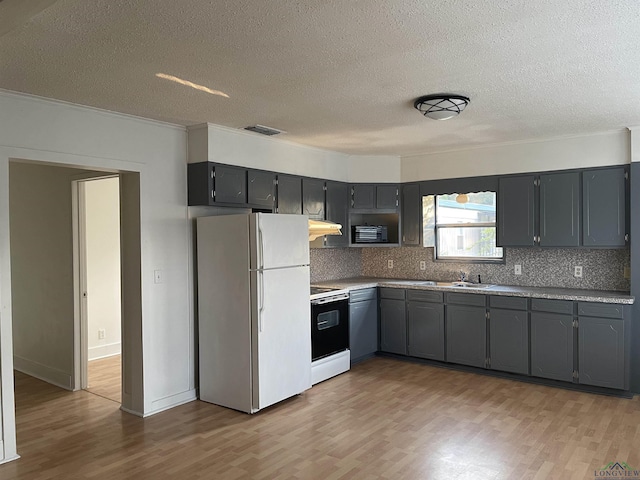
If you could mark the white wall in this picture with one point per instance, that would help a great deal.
(237, 147)
(62, 134)
(372, 168)
(102, 234)
(610, 148)
(635, 144)
(42, 271)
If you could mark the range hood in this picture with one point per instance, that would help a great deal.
(318, 228)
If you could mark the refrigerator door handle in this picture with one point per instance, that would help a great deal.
(260, 302)
(260, 246)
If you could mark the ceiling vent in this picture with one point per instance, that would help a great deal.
(262, 130)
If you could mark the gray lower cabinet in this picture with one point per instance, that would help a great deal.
(363, 323)
(411, 218)
(426, 330)
(466, 335)
(337, 204)
(604, 207)
(313, 198)
(601, 352)
(560, 210)
(393, 326)
(289, 194)
(261, 188)
(552, 346)
(509, 340)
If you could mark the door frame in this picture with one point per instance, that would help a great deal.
(81, 318)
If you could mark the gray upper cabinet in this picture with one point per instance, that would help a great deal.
(411, 218)
(604, 207)
(337, 203)
(363, 196)
(466, 335)
(517, 211)
(289, 194)
(261, 188)
(552, 346)
(426, 330)
(509, 340)
(366, 196)
(393, 326)
(230, 184)
(387, 196)
(560, 210)
(313, 198)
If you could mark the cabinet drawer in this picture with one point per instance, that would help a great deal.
(424, 296)
(362, 295)
(511, 303)
(605, 310)
(467, 299)
(393, 293)
(552, 306)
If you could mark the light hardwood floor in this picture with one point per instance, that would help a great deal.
(104, 378)
(384, 419)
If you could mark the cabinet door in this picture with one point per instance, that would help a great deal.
(313, 198)
(552, 346)
(230, 184)
(466, 335)
(509, 340)
(363, 196)
(393, 326)
(560, 210)
(516, 211)
(411, 214)
(261, 188)
(337, 195)
(363, 329)
(604, 208)
(289, 194)
(387, 196)
(426, 330)
(601, 352)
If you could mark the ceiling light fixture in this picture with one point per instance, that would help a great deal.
(187, 83)
(441, 106)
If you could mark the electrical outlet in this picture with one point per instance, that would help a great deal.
(423, 265)
(518, 269)
(577, 272)
(389, 263)
(101, 333)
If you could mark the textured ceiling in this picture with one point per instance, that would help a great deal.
(339, 74)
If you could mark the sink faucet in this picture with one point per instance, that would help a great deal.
(463, 276)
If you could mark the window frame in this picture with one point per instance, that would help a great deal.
(453, 259)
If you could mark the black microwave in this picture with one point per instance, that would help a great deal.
(369, 234)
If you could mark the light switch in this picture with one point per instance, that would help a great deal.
(158, 276)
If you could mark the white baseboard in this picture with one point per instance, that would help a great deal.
(171, 401)
(43, 372)
(103, 351)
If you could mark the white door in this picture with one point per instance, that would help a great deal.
(282, 332)
(280, 240)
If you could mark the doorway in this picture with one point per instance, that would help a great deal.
(96, 206)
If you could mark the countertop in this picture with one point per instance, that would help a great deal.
(602, 296)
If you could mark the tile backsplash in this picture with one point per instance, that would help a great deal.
(603, 269)
(334, 263)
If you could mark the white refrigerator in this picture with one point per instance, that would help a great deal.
(254, 324)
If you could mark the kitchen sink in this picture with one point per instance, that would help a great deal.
(470, 285)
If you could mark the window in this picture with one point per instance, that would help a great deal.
(461, 226)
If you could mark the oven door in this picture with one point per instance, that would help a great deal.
(329, 328)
